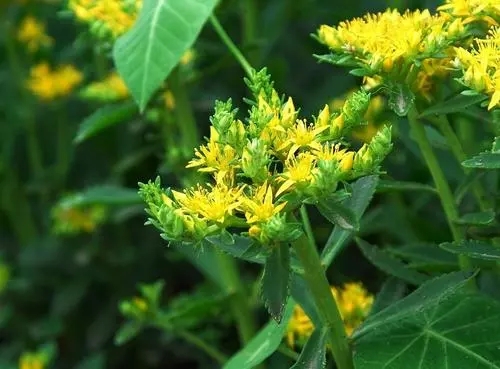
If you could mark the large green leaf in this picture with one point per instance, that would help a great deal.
(164, 30)
(439, 326)
(276, 280)
(103, 118)
(473, 249)
(263, 344)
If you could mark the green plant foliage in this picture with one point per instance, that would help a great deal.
(146, 55)
(472, 248)
(314, 351)
(438, 325)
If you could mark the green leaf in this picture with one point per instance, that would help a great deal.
(313, 355)
(276, 280)
(388, 186)
(238, 246)
(440, 325)
(480, 218)
(422, 254)
(339, 214)
(455, 104)
(104, 194)
(485, 160)
(127, 332)
(362, 193)
(389, 265)
(473, 249)
(103, 118)
(263, 344)
(302, 294)
(392, 290)
(164, 30)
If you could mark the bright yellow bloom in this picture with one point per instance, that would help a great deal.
(481, 66)
(260, 207)
(215, 157)
(111, 88)
(302, 136)
(473, 10)
(354, 303)
(391, 42)
(217, 203)
(32, 33)
(298, 172)
(115, 17)
(48, 84)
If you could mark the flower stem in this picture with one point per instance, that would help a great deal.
(231, 46)
(239, 304)
(458, 151)
(442, 186)
(328, 310)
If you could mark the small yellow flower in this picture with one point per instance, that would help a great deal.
(217, 203)
(169, 100)
(299, 327)
(260, 207)
(215, 157)
(302, 136)
(298, 172)
(48, 84)
(470, 11)
(32, 33)
(69, 220)
(29, 360)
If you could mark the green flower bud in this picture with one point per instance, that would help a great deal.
(355, 108)
(255, 161)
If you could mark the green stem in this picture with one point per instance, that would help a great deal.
(307, 225)
(457, 150)
(202, 345)
(231, 46)
(239, 304)
(328, 310)
(63, 146)
(442, 187)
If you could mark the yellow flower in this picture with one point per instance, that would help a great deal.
(111, 88)
(389, 43)
(299, 327)
(473, 10)
(301, 135)
(113, 17)
(481, 66)
(169, 100)
(215, 157)
(48, 84)
(334, 153)
(298, 172)
(217, 203)
(354, 303)
(32, 33)
(260, 207)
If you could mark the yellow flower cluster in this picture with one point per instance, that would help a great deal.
(487, 11)
(73, 219)
(412, 48)
(111, 88)
(481, 66)
(354, 303)
(48, 84)
(32, 33)
(273, 162)
(110, 18)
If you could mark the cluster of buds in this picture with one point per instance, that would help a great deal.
(264, 167)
